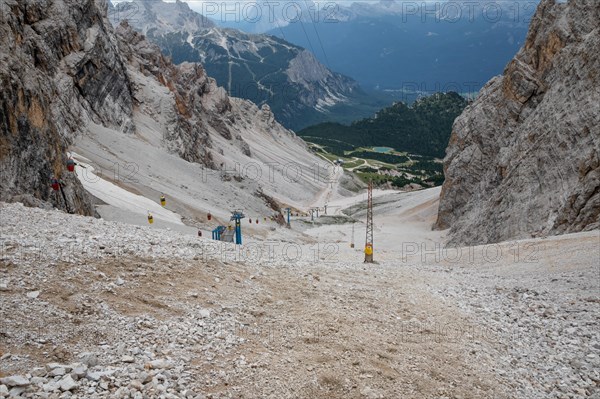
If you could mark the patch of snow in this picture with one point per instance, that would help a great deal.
(119, 197)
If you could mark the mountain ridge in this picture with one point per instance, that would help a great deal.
(262, 68)
(419, 50)
(114, 86)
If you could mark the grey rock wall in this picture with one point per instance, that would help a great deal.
(59, 67)
(523, 159)
(63, 67)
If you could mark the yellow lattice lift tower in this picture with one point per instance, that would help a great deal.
(369, 239)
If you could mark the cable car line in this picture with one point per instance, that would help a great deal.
(56, 185)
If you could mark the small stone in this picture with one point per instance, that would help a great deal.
(52, 366)
(160, 364)
(51, 386)
(120, 281)
(15, 381)
(93, 375)
(38, 380)
(122, 392)
(127, 359)
(369, 393)
(4, 287)
(17, 391)
(145, 377)
(3, 390)
(89, 359)
(137, 385)
(79, 371)
(38, 372)
(67, 383)
(33, 294)
(59, 371)
(205, 313)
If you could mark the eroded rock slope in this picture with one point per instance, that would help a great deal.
(65, 71)
(523, 159)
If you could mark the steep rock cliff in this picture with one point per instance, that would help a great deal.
(67, 74)
(58, 67)
(523, 159)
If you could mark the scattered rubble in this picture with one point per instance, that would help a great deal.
(301, 330)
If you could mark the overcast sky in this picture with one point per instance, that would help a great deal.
(266, 14)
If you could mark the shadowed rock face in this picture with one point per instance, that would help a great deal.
(58, 66)
(63, 67)
(524, 158)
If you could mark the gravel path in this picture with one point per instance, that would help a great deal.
(97, 309)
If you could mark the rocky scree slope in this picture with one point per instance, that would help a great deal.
(116, 311)
(524, 158)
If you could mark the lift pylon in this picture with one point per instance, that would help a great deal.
(369, 238)
(289, 211)
(237, 216)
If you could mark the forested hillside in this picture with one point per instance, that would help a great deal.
(422, 128)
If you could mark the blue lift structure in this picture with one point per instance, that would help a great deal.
(312, 213)
(237, 217)
(225, 234)
(218, 233)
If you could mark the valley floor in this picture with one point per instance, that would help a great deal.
(102, 309)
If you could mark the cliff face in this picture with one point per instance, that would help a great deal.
(58, 67)
(322, 88)
(523, 159)
(185, 131)
(65, 70)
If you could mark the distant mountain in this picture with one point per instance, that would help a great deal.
(408, 47)
(158, 16)
(422, 128)
(264, 69)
